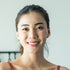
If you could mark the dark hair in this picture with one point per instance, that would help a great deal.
(32, 8)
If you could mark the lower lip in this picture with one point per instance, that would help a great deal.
(33, 45)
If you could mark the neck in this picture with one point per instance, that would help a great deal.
(33, 59)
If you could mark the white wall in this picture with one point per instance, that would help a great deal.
(58, 42)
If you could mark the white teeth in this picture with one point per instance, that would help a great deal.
(32, 43)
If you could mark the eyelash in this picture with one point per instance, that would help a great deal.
(26, 29)
(40, 27)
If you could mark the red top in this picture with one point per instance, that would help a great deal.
(12, 68)
(58, 67)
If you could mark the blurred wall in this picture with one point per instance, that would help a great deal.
(59, 40)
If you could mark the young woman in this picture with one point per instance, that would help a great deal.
(32, 30)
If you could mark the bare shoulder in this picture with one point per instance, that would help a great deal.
(4, 66)
(64, 68)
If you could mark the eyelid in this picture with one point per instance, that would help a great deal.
(40, 27)
(24, 28)
(34, 28)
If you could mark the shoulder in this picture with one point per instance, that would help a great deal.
(63, 68)
(4, 66)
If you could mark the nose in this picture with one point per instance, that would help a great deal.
(33, 34)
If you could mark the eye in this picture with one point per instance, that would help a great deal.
(40, 27)
(25, 29)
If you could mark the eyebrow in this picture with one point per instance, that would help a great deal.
(35, 24)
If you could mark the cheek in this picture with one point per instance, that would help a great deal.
(22, 35)
(43, 34)
(42, 37)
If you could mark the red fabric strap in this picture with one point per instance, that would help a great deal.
(12, 68)
(58, 67)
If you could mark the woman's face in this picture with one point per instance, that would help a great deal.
(32, 31)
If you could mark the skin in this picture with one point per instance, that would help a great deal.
(32, 27)
(36, 31)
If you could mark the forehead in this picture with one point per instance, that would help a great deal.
(31, 18)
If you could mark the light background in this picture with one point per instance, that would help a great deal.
(59, 40)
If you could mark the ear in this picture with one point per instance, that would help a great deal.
(17, 35)
(48, 32)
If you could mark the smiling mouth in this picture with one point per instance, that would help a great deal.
(33, 44)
